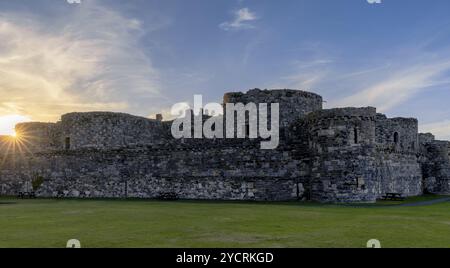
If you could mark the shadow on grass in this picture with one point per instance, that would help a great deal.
(418, 200)
(7, 203)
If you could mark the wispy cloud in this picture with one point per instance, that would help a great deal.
(241, 20)
(387, 82)
(308, 74)
(398, 87)
(91, 61)
(440, 129)
(308, 70)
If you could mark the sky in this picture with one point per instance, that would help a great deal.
(143, 56)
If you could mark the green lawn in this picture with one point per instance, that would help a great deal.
(120, 223)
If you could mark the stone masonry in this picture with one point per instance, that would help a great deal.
(325, 155)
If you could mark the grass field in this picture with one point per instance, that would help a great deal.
(133, 223)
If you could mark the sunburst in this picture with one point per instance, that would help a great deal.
(15, 147)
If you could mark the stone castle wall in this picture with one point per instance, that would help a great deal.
(346, 162)
(332, 155)
(191, 172)
(103, 130)
(399, 134)
(436, 167)
(100, 130)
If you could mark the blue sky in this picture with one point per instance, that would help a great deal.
(142, 56)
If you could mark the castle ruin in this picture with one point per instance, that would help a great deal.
(325, 155)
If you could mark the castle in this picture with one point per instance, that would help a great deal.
(325, 155)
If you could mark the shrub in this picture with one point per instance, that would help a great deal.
(37, 182)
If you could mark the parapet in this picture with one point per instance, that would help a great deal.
(292, 103)
(100, 115)
(398, 134)
(268, 95)
(107, 130)
(330, 129)
(348, 112)
(425, 138)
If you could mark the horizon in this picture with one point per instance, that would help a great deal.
(142, 57)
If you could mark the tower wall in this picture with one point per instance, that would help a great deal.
(105, 130)
(347, 164)
(436, 165)
(398, 134)
(293, 103)
(341, 154)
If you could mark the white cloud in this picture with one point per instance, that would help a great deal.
(242, 19)
(87, 59)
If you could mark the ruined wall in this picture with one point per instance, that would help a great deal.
(346, 163)
(425, 138)
(397, 173)
(333, 155)
(293, 103)
(101, 130)
(228, 173)
(104, 130)
(397, 134)
(336, 128)
(398, 167)
(341, 161)
(436, 165)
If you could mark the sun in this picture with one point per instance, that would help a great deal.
(8, 124)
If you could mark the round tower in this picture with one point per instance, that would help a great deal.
(341, 127)
(293, 103)
(340, 143)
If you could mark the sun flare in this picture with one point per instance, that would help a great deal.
(8, 123)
